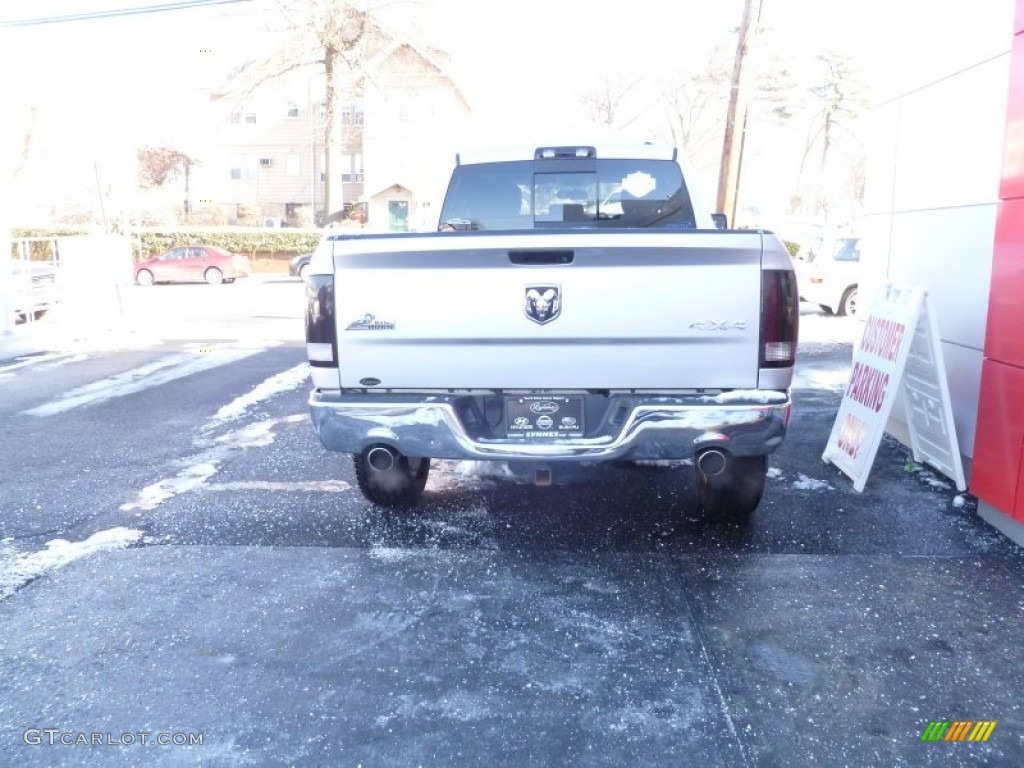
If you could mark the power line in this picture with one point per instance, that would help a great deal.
(116, 12)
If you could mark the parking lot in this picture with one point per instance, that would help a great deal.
(180, 557)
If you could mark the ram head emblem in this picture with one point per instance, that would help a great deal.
(543, 303)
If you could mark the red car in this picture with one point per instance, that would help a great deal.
(193, 264)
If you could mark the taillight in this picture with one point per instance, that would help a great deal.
(321, 332)
(780, 313)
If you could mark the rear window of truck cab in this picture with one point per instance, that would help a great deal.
(593, 194)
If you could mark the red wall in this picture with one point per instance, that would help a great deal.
(997, 474)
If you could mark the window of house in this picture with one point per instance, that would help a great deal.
(292, 110)
(242, 168)
(352, 167)
(235, 117)
(351, 115)
(250, 117)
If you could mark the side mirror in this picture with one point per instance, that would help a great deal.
(721, 220)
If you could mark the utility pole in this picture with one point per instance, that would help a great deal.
(729, 170)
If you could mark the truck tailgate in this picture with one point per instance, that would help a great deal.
(648, 310)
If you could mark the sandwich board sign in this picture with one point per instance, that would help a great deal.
(899, 356)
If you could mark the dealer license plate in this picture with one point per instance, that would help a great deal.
(538, 416)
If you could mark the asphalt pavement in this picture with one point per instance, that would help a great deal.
(181, 562)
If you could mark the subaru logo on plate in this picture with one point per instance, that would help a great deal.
(568, 421)
(544, 406)
(543, 303)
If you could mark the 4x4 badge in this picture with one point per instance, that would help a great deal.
(543, 303)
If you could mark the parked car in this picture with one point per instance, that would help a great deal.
(297, 267)
(193, 264)
(34, 289)
(828, 273)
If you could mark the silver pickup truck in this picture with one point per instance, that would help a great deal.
(577, 304)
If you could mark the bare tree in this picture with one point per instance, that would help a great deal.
(158, 165)
(349, 41)
(605, 104)
(834, 101)
(693, 105)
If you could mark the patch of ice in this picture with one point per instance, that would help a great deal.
(959, 501)
(24, 567)
(805, 483)
(774, 473)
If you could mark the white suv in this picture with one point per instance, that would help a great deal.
(828, 272)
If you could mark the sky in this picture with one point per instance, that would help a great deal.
(106, 83)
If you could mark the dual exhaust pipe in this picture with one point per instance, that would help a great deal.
(711, 463)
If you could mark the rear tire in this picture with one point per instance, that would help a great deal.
(400, 486)
(214, 276)
(144, 277)
(848, 304)
(736, 492)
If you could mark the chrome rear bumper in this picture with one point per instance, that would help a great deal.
(748, 423)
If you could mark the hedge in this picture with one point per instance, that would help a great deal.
(271, 242)
(152, 241)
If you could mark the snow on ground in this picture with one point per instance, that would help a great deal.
(201, 467)
(472, 475)
(817, 327)
(805, 483)
(279, 382)
(19, 569)
(328, 486)
(144, 377)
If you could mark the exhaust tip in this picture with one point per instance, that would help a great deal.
(380, 458)
(712, 462)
